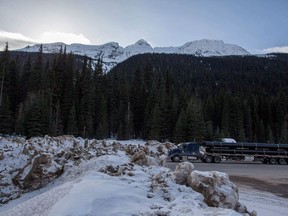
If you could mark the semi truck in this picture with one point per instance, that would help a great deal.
(229, 149)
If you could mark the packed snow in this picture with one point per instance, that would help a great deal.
(112, 53)
(106, 178)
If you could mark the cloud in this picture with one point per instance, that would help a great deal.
(18, 40)
(15, 40)
(68, 38)
(283, 49)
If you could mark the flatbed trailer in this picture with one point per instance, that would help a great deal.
(208, 151)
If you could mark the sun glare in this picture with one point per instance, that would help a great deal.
(67, 38)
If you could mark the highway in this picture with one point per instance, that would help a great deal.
(263, 177)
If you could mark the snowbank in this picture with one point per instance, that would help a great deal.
(99, 178)
(266, 204)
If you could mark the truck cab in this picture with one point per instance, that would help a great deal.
(189, 149)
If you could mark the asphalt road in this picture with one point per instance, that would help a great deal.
(264, 177)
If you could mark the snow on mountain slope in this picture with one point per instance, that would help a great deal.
(211, 48)
(112, 53)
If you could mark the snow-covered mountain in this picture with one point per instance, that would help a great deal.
(112, 53)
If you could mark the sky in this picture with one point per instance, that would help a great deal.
(255, 25)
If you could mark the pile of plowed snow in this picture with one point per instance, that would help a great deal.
(92, 177)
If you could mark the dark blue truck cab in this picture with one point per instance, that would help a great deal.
(189, 149)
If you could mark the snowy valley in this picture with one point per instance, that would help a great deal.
(74, 176)
(112, 53)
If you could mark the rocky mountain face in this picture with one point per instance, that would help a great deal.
(112, 53)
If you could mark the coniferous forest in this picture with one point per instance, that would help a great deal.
(149, 96)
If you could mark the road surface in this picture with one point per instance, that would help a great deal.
(264, 177)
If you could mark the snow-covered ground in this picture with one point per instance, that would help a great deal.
(119, 181)
(265, 204)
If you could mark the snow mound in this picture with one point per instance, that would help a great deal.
(30, 164)
(182, 171)
(218, 190)
(216, 187)
(100, 178)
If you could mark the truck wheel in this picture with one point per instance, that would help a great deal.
(217, 159)
(208, 159)
(282, 161)
(176, 158)
(273, 161)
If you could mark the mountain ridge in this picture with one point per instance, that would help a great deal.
(112, 53)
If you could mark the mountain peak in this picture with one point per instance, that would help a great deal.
(204, 42)
(209, 41)
(142, 42)
(207, 47)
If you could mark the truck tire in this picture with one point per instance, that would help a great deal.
(176, 158)
(208, 159)
(282, 161)
(217, 159)
(273, 161)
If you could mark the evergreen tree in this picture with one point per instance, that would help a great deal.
(225, 119)
(12, 91)
(72, 123)
(36, 73)
(151, 118)
(85, 100)
(4, 67)
(247, 122)
(155, 124)
(102, 126)
(138, 101)
(261, 132)
(166, 126)
(33, 118)
(99, 102)
(20, 121)
(180, 133)
(269, 133)
(6, 125)
(209, 131)
(195, 121)
(25, 80)
(67, 89)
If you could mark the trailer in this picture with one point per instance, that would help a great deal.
(216, 151)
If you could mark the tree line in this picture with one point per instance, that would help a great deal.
(149, 96)
(183, 97)
(52, 96)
